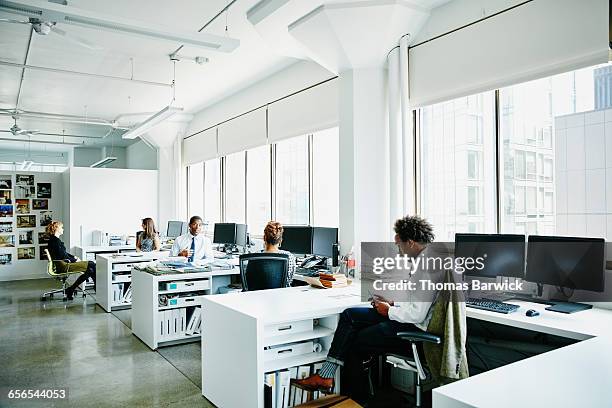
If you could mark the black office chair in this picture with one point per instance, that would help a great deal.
(261, 271)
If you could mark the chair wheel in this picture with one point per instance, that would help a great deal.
(84, 294)
(51, 295)
(43, 298)
(65, 299)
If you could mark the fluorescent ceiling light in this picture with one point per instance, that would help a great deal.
(26, 165)
(151, 122)
(61, 14)
(104, 161)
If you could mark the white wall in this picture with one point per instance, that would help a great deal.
(289, 80)
(29, 269)
(141, 156)
(111, 200)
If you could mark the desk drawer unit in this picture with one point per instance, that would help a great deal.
(288, 328)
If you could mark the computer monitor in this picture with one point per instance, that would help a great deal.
(504, 254)
(176, 229)
(225, 233)
(297, 239)
(241, 235)
(576, 263)
(323, 240)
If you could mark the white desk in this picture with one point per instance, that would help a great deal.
(89, 252)
(238, 326)
(579, 375)
(111, 271)
(147, 312)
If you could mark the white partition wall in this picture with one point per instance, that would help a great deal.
(111, 200)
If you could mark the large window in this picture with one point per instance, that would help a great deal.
(235, 188)
(458, 165)
(195, 192)
(292, 190)
(325, 178)
(259, 198)
(212, 192)
(549, 151)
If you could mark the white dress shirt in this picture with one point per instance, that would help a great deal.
(203, 246)
(418, 312)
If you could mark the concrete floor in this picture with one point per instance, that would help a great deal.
(93, 354)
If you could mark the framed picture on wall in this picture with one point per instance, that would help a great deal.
(25, 191)
(6, 227)
(6, 211)
(40, 204)
(26, 253)
(26, 221)
(6, 259)
(7, 241)
(43, 238)
(24, 180)
(6, 182)
(44, 190)
(6, 197)
(42, 255)
(45, 218)
(22, 206)
(26, 237)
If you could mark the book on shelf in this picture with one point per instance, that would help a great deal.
(270, 390)
(285, 395)
(282, 389)
(127, 296)
(193, 326)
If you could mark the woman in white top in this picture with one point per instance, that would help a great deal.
(273, 236)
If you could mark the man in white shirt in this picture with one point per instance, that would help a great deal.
(368, 331)
(193, 244)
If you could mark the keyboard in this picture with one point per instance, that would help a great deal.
(491, 305)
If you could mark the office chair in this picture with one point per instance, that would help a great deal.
(59, 276)
(261, 271)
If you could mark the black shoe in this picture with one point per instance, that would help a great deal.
(69, 293)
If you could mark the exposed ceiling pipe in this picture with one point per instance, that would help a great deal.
(86, 74)
(25, 62)
(60, 117)
(55, 134)
(41, 141)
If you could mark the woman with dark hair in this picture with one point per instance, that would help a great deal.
(67, 261)
(273, 236)
(148, 239)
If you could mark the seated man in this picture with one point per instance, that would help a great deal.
(364, 331)
(193, 244)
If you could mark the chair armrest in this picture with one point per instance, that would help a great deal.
(415, 336)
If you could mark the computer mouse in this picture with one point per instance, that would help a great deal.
(532, 313)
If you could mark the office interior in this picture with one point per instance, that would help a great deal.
(491, 120)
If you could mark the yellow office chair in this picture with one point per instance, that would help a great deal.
(61, 275)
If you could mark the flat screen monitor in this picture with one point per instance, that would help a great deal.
(576, 263)
(504, 254)
(297, 239)
(241, 235)
(323, 240)
(225, 233)
(176, 229)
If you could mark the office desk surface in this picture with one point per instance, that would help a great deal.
(578, 326)
(571, 376)
(289, 304)
(579, 375)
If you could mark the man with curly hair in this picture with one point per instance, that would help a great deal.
(365, 331)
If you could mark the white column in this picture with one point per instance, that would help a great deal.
(364, 191)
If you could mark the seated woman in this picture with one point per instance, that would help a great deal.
(273, 236)
(148, 239)
(57, 250)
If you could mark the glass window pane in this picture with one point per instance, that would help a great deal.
(212, 192)
(234, 182)
(195, 189)
(458, 165)
(326, 178)
(292, 205)
(259, 182)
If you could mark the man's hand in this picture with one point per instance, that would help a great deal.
(381, 307)
(184, 252)
(378, 298)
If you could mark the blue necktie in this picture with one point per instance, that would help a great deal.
(192, 250)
